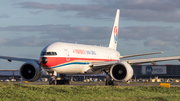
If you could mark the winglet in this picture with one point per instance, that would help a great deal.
(114, 34)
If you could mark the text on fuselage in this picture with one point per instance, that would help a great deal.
(85, 52)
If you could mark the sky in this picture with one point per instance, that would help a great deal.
(26, 27)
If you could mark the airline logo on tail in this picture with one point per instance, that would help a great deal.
(115, 34)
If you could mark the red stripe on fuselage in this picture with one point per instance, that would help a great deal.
(55, 61)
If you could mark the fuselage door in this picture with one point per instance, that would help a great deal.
(67, 55)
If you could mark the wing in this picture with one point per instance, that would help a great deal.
(18, 59)
(127, 56)
(152, 60)
(104, 65)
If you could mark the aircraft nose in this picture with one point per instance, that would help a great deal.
(44, 60)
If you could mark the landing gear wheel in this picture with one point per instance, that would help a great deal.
(52, 82)
(62, 82)
(66, 82)
(111, 82)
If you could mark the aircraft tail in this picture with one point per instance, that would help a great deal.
(114, 35)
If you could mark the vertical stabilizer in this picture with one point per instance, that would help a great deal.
(114, 35)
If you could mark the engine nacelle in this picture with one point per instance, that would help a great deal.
(121, 71)
(30, 71)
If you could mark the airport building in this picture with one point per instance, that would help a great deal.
(152, 71)
(140, 72)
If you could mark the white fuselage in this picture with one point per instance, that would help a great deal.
(67, 58)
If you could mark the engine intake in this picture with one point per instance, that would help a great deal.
(121, 71)
(30, 71)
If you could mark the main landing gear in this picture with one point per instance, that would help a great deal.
(62, 81)
(109, 80)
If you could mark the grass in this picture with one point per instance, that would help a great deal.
(22, 92)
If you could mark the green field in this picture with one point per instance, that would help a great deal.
(24, 92)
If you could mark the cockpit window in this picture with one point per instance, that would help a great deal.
(48, 53)
(43, 53)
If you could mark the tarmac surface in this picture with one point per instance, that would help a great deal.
(102, 83)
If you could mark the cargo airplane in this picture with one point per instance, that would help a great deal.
(68, 58)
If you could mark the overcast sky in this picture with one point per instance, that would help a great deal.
(26, 27)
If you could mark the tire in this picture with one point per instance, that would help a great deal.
(106, 83)
(52, 82)
(109, 82)
(66, 82)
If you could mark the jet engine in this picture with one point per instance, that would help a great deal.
(30, 71)
(121, 71)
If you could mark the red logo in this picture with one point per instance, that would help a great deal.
(115, 30)
(79, 51)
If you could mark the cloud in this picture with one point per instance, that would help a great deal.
(47, 34)
(35, 12)
(141, 10)
(37, 5)
(156, 43)
(144, 32)
(153, 5)
(2, 41)
(159, 38)
(143, 15)
(85, 10)
(4, 16)
(65, 31)
(29, 41)
(59, 7)
(152, 36)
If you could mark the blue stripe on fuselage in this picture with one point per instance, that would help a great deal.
(72, 63)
